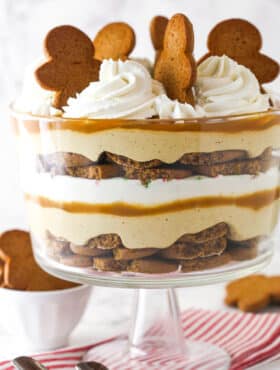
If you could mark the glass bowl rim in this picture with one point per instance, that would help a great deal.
(194, 120)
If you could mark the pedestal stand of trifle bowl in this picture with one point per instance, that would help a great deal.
(156, 338)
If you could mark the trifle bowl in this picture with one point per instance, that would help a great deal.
(193, 197)
(151, 176)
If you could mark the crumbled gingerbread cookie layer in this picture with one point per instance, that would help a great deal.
(215, 232)
(96, 172)
(88, 251)
(130, 163)
(229, 162)
(248, 167)
(207, 249)
(150, 174)
(62, 159)
(208, 159)
(205, 263)
(129, 254)
(109, 264)
(190, 251)
(240, 166)
(105, 241)
(152, 266)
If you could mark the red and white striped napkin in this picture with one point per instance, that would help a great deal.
(248, 338)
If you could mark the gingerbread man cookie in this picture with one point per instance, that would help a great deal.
(253, 293)
(70, 66)
(114, 41)
(175, 66)
(20, 270)
(242, 41)
(157, 31)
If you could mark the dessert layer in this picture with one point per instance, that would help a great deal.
(207, 249)
(106, 191)
(146, 140)
(112, 165)
(146, 229)
(206, 243)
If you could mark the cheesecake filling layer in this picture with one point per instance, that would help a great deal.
(151, 230)
(146, 140)
(106, 191)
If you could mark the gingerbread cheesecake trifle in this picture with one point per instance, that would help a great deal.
(133, 167)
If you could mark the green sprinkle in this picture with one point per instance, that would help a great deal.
(147, 183)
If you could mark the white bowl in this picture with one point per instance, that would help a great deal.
(42, 320)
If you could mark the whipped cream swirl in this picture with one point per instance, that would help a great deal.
(173, 109)
(124, 90)
(33, 98)
(224, 87)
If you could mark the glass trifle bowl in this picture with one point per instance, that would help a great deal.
(190, 199)
(152, 205)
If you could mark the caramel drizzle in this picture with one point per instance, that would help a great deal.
(254, 122)
(254, 201)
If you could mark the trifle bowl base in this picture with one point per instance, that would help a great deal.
(90, 276)
(156, 339)
(198, 355)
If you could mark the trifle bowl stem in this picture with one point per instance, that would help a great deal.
(156, 323)
(156, 339)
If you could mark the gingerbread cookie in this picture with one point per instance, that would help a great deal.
(149, 174)
(70, 66)
(2, 265)
(88, 251)
(222, 156)
(253, 293)
(191, 251)
(214, 232)
(96, 172)
(152, 266)
(240, 167)
(130, 254)
(16, 254)
(109, 264)
(114, 41)
(62, 160)
(59, 246)
(243, 251)
(157, 31)
(242, 41)
(130, 163)
(21, 271)
(205, 263)
(175, 66)
(105, 241)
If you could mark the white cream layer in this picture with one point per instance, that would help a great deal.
(70, 189)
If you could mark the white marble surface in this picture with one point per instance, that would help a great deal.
(23, 25)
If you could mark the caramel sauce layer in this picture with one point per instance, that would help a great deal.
(144, 140)
(159, 231)
(251, 122)
(254, 201)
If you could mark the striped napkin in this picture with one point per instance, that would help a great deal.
(248, 338)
